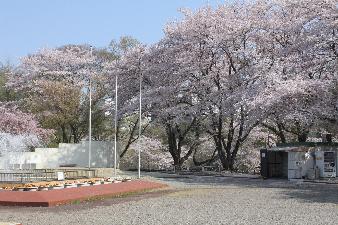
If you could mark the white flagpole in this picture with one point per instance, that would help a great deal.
(139, 131)
(115, 126)
(90, 116)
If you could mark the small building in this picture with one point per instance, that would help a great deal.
(309, 160)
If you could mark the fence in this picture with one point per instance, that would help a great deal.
(36, 175)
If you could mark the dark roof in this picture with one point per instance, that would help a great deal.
(307, 144)
(302, 146)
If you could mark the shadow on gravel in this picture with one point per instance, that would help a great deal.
(327, 193)
(305, 192)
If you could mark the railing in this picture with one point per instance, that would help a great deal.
(36, 175)
(77, 173)
(26, 177)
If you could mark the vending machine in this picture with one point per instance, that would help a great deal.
(329, 164)
(326, 162)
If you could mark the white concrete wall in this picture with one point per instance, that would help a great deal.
(102, 156)
(299, 163)
(319, 155)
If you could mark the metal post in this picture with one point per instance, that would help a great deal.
(139, 130)
(115, 125)
(90, 116)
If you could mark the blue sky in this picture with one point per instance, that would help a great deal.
(28, 25)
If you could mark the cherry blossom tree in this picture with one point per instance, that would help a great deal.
(299, 40)
(241, 64)
(128, 69)
(154, 155)
(148, 64)
(217, 58)
(15, 122)
(56, 82)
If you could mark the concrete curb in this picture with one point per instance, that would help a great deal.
(75, 195)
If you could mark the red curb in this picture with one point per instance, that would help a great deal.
(6, 223)
(69, 195)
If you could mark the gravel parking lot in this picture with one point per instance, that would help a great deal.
(198, 200)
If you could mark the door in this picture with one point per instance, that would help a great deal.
(264, 162)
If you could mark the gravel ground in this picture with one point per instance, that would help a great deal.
(198, 200)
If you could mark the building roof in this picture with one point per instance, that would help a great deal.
(301, 146)
(290, 149)
(307, 144)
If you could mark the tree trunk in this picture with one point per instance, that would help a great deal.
(172, 143)
(280, 133)
(176, 138)
(302, 137)
(64, 134)
(279, 130)
(75, 133)
(131, 139)
(207, 161)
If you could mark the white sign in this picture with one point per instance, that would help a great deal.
(263, 155)
(61, 175)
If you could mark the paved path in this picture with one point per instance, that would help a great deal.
(199, 200)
